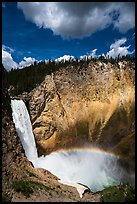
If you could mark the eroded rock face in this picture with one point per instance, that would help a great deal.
(13, 156)
(73, 107)
(85, 105)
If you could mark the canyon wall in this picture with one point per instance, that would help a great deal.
(83, 106)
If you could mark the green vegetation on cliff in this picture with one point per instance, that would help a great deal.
(121, 193)
(5, 197)
(27, 187)
(24, 80)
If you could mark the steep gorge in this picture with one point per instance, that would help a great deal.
(83, 106)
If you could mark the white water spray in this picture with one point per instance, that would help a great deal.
(24, 129)
(97, 171)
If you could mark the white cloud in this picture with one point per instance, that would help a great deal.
(27, 61)
(93, 53)
(8, 61)
(64, 58)
(79, 19)
(83, 57)
(8, 49)
(117, 49)
(126, 18)
(89, 55)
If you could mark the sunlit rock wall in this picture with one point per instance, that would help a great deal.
(78, 106)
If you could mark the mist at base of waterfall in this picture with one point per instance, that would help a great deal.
(93, 169)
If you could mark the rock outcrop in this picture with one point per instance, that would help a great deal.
(92, 104)
(13, 157)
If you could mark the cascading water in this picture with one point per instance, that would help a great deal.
(24, 128)
(93, 168)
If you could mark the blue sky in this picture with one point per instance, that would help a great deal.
(49, 30)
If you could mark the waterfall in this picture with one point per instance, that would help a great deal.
(24, 129)
(92, 168)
